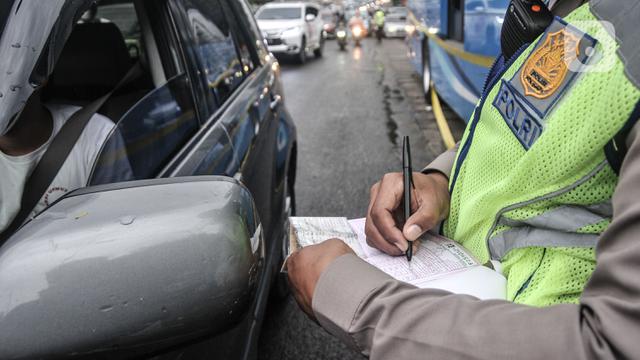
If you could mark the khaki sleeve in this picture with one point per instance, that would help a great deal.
(443, 163)
(388, 319)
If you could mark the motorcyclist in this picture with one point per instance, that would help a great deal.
(356, 21)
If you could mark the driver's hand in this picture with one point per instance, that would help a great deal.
(429, 205)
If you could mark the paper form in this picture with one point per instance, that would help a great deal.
(439, 263)
(358, 228)
(436, 256)
(314, 230)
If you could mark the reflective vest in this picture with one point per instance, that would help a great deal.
(531, 184)
(378, 18)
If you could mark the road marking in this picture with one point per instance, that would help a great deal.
(443, 125)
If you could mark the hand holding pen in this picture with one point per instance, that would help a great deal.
(428, 205)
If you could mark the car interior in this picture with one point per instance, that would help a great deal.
(97, 56)
(154, 113)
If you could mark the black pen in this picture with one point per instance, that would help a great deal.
(407, 178)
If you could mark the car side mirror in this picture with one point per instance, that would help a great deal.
(130, 268)
(309, 17)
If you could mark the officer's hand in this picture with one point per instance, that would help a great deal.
(429, 205)
(305, 266)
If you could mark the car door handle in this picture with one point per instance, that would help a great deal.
(275, 103)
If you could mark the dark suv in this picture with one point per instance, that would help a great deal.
(162, 259)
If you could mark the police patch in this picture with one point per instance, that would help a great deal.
(516, 114)
(545, 75)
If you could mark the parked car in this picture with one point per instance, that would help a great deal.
(395, 25)
(453, 47)
(177, 259)
(292, 28)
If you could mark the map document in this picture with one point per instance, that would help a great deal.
(439, 262)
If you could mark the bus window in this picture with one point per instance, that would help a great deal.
(455, 20)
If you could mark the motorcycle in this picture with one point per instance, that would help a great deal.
(357, 32)
(341, 37)
(380, 32)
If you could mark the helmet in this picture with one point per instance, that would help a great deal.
(32, 34)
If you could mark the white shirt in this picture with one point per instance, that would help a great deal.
(74, 173)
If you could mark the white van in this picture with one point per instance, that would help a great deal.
(292, 28)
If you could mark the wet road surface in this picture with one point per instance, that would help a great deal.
(351, 110)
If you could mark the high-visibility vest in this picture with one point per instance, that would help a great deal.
(532, 184)
(378, 18)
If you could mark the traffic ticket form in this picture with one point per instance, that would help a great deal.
(438, 263)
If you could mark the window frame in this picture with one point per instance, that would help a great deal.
(178, 20)
(240, 27)
(313, 8)
(455, 11)
(251, 30)
(185, 35)
(162, 24)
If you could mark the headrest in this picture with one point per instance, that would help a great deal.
(92, 62)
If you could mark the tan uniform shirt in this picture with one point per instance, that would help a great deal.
(387, 319)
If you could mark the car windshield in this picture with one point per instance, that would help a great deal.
(280, 13)
(396, 18)
(398, 10)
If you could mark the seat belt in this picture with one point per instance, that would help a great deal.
(56, 154)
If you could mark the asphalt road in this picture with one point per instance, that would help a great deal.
(351, 109)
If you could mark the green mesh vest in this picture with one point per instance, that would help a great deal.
(531, 184)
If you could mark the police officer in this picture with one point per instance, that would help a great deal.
(378, 19)
(545, 180)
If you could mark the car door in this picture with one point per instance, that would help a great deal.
(235, 139)
(235, 88)
(241, 100)
(254, 130)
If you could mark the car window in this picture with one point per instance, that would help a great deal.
(148, 135)
(242, 38)
(396, 18)
(124, 17)
(254, 33)
(5, 11)
(311, 10)
(153, 122)
(214, 46)
(279, 13)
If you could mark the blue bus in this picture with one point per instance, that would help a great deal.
(453, 46)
